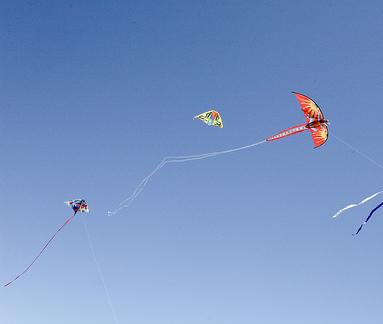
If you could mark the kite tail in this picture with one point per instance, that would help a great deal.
(287, 132)
(340, 211)
(174, 159)
(360, 227)
(42, 250)
(368, 218)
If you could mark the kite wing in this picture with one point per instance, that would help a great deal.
(368, 218)
(319, 135)
(211, 118)
(309, 108)
(84, 208)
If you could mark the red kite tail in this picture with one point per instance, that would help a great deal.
(287, 132)
(42, 250)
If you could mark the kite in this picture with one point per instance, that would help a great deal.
(211, 117)
(369, 216)
(78, 205)
(315, 122)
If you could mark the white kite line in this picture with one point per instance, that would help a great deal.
(364, 155)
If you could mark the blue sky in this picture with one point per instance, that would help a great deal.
(96, 93)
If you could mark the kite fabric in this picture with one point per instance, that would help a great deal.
(78, 205)
(356, 205)
(211, 118)
(315, 122)
(368, 218)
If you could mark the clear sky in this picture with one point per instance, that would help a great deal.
(95, 93)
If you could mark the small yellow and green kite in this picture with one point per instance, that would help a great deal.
(211, 118)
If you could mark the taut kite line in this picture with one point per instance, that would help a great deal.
(315, 123)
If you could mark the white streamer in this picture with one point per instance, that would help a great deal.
(174, 159)
(356, 205)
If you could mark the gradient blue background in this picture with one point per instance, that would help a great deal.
(95, 93)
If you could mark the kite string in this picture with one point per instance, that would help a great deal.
(358, 151)
(174, 159)
(367, 158)
(100, 273)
